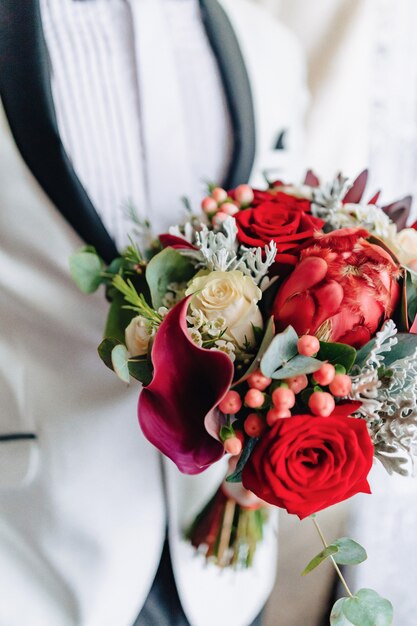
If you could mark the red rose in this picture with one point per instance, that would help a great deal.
(342, 289)
(277, 217)
(305, 464)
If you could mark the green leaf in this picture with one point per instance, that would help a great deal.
(105, 349)
(337, 353)
(406, 346)
(118, 318)
(86, 270)
(296, 366)
(368, 608)
(236, 477)
(282, 348)
(337, 617)
(411, 289)
(141, 370)
(120, 359)
(349, 552)
(265, 343)
(166, 267)
(319, 558)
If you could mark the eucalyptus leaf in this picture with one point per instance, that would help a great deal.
(86, 269)
(348, 552)
(265, 343)
(120, 359)
(118, 318)
(319, 558)
(337, 353)
(105, 349)
(236, 477)
(337, 618)
(141, 370)
(368, 608)
(406, 346)
(296, 366)
(166, 267)
(282, 348)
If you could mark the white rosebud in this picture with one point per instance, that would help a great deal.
(137, 336)
(232, 296)
(406, 242)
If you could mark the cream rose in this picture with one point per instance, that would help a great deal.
(137, 336)
(406, 242)
(231, 295)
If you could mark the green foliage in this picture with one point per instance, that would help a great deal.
(118, 318)
(86, 269)
(344, 551)
(120, 362)
(164, 268)
(236, 477)
(265, 343)
(281, 359)
(140, 369)
(105, 349)
(365, 608)
(337, 353)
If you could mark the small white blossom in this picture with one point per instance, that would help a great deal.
(225, 346)
(195, 336)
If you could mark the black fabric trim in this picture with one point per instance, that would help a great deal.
(25, 90)
(237, 88)
(17, 437)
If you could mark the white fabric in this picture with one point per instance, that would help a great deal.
(140, 105)
(82, 509)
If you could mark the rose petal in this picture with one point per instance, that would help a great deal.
(188, 384)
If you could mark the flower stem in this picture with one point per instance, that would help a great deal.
(335, 565)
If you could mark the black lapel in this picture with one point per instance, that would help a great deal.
(237, 88)
(25, 90)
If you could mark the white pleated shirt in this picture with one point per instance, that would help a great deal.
(140, 105)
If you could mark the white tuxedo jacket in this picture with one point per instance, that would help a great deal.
(84, 498)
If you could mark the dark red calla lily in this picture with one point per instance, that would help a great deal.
(188, 383)
(172, 241)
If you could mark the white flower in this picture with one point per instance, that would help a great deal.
(137, 336)
(231, 295)
(406, 242)
(195, 336)
(225, 346)
(216, 326)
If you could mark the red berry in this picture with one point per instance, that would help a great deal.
(297, 383)
(325, 374)
(219, 218)
(231, 403)
(341, 385)
(308, 345)
(283, 398)
(254, 425)
(274, 415)
(244, 194)
(229, 208)
(240, 436)
(254, 398)
(219, 195)
(258, 381)
(209, 205)
(321, 403)
(233, 446)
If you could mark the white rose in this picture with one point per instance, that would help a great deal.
(137, 336)
(231, 295)
(406, 242)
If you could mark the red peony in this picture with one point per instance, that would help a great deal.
(277, 217)
(305, 464)
(342, 289)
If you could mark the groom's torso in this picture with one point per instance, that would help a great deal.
(82, 498)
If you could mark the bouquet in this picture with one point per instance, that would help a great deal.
(277, 327)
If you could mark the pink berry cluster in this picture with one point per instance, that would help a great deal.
(218, 205)
(271, 401)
